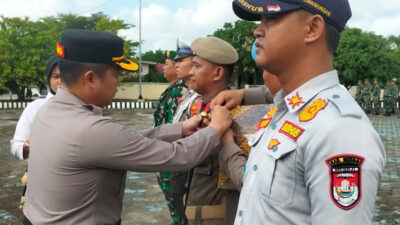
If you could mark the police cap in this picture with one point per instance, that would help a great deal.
(93, 47)
(335, 12)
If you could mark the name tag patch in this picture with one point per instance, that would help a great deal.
(291, 130)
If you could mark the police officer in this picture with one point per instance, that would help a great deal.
(319, 151)
(376, 97)
(79, 158)
(212, 67)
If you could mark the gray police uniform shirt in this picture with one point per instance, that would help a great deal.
(79, 158)
(318, 161)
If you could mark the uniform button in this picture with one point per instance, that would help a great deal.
(273, 126)
(240, 213)
(255, 167)
(336, 96)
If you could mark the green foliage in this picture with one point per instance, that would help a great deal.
(364, 55)
(156, 56)
(26, 45)
(153, 76)
(240, 36)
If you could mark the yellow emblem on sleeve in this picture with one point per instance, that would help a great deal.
(312, 110)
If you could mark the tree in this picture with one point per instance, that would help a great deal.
(156, 56)
(26, 45)
(363, 55)
(240, 36)
(24, 49)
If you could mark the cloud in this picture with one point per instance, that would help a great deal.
(381, 17)
(33, 9)
(161, 26)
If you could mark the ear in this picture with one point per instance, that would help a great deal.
(315, 28)
(89, 78)
(219, 73)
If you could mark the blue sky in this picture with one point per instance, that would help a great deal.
(163, 21)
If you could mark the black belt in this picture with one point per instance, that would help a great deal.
(27, 222)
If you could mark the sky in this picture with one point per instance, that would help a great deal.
(163, 21)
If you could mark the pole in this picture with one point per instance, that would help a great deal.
(140, 49)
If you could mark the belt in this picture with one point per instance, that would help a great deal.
(27, 222)
(205, 212)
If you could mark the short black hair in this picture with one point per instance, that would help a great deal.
(332, 36)
(228, 71)
(71, 70)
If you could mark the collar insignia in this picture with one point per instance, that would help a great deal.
(295, 100)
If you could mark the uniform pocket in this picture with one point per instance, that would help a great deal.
(281, 179)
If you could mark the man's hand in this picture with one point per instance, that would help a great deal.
(229, 99)
(190, 126)
(25, 149)
(221, 119)
(227, 137)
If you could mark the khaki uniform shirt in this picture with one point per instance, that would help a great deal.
(79, 158)
(318, 161)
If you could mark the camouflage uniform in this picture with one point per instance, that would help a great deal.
(395, 95)
(358, 96)
(366, 97)
(388, 100)
(376, 94)
(164, 113)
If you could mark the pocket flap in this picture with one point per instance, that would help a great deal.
(254, 139)
(284, 147)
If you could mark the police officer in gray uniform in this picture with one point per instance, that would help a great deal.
(318, 160)
(79, 158)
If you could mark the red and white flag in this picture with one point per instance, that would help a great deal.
(274, 8)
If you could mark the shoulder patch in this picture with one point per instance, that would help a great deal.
(346, 106)
(345, 179)
(311, 111)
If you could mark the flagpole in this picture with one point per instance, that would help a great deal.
(140, 49)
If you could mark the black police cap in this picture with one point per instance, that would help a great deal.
(93, 47)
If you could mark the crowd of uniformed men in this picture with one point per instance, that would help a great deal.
(308, 164)
(371, 96)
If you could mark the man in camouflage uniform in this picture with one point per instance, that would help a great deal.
(376, 95)
(168, 102)
(366, 92)
(388, 98)
(174, 185)
(395, 95)
(358, 96)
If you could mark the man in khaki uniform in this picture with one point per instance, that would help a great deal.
(210, 74)
(79, 158)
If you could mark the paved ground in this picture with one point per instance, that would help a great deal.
(144, 203)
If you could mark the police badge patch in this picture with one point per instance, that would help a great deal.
(345, 179)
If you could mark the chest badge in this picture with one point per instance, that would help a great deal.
(273, 145)
(345, 179)
(295, 100)
(291, 130)
(311, 111)
(264, 122)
